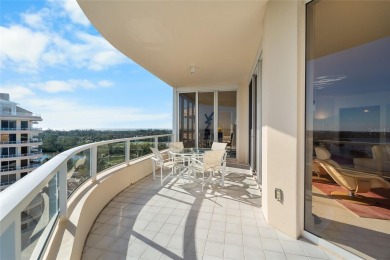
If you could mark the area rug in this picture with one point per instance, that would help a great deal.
(379, 198)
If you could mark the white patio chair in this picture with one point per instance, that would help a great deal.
(174, 148)
(218, 146)
(222, 168)
(167, 164)
(206, 168)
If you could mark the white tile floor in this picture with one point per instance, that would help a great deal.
(178, 221)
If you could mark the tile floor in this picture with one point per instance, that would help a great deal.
(178, 221)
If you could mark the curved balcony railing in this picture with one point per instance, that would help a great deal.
(54, 182)
(20, 129)
(21, 154)
(29, 167)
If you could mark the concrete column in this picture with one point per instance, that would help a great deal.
(283, 120)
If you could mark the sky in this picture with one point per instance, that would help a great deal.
(53, 62)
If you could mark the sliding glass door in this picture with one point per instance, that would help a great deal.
(207, 117)
(347, 171)
(187, 119)
(227, 120)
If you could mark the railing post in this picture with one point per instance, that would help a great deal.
(93, 163)
(127, 152)
(156, 142)
(63, 192)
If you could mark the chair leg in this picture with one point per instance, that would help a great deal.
(161, 176)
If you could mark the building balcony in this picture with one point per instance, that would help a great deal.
(20, 114)
(18, 143)
(6, 130)
(17, 169)
(30, 155)
(100, 200)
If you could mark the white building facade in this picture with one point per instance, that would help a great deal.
(19, 144)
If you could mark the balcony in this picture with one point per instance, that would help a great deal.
(32, 154)
(20, 129)
(18, 114)
(102, 194)
(28, 167)
(17, 143)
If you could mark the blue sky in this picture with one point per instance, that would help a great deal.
(54, 63)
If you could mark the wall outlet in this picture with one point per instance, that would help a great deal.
(279, 195)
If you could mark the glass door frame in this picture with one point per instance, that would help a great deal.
(176, 111)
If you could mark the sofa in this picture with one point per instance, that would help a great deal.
(379, 164)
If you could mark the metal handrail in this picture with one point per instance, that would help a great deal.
(22, 142)
(31, 166)
(21, 154)
(15, 198)
(20, 129)
(3, 113)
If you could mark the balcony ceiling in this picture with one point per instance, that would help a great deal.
(219, 38)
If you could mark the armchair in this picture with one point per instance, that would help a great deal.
(379, 164)
(164, 164)
(206, 168)
(351, 180)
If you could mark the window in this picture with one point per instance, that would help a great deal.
(24, 138)
(8, 179)
(206, 119)
(6, 124)
(227, 120)
(187, 116)
(8, 166)
(347, 125)
(23, 163)
(8, 151)
(4, 138)
(24, 125)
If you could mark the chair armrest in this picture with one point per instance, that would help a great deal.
(194, 160)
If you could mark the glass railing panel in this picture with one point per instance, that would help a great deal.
(37, 220)
(78, 170)
(139, 148)
(110, 155)
(163, 142)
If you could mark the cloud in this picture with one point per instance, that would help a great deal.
(322, 81)
(55, 86)
(46, 39)
(96, 53)
(105, 83)
(36, 20)
(17, 92)
(22, 46)
(66, 114)
(74, 11)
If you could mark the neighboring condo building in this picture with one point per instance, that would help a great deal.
(19, 142)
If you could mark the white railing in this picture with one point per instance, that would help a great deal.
(53, 183)
(31, 166)
(4, 113)
(20, 129)
(21, 142)
(21, 154)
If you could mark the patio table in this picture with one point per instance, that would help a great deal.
(187, 154)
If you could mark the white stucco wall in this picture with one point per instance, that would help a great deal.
(282, 115)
